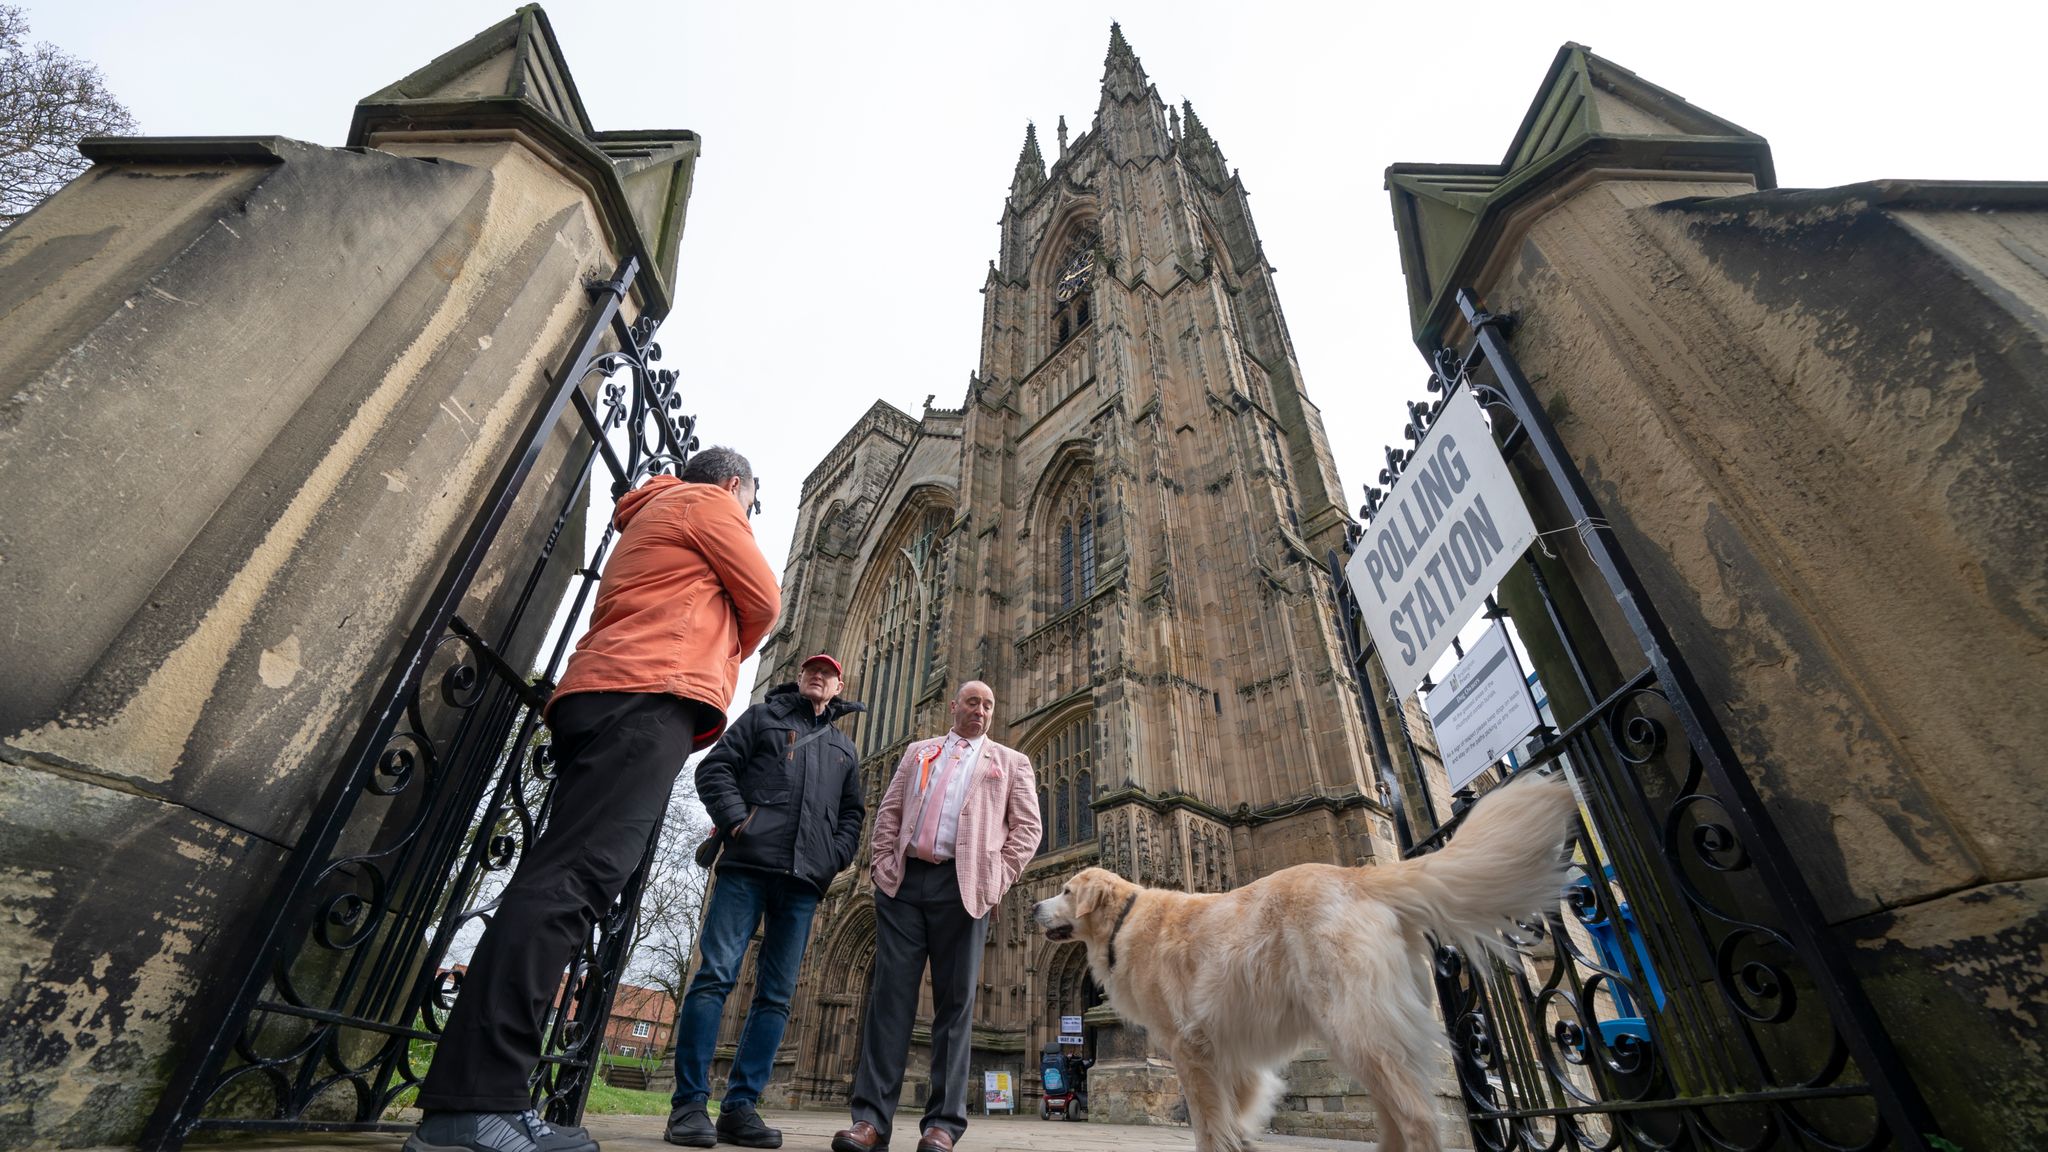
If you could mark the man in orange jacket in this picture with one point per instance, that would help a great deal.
(685, 597)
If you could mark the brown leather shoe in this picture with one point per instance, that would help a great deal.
(862, 1137)
(935, 1140)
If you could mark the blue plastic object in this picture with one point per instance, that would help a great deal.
(1607, 941)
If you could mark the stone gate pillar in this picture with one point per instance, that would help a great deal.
(251, 391)
(1815, 420)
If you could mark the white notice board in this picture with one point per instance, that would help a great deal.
(1482, 710)
(998, 1092)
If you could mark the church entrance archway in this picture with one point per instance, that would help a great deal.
(842, 1001)
(1070, 990)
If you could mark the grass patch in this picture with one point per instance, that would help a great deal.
(609, 1101)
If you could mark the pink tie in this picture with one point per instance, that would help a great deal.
(927, 841)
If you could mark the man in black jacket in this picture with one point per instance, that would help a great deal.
(783, 790)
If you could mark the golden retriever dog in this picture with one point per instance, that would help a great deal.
(1233, 984)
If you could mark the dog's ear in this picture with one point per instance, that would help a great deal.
(1087, 891)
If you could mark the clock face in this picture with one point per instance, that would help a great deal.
(1075, 276)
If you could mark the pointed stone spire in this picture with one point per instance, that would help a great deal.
(1063, 137)
(1030, 165)
(1122, 75)
(1199, 150)
(1195, 132)
(1131, 117)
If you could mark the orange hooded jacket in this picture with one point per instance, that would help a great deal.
(685, 597)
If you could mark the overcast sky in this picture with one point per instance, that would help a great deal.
(856, 156)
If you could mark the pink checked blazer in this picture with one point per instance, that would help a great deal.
(998, 831)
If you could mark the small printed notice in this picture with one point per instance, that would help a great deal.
(1482, 710)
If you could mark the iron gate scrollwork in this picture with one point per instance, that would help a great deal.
(342, 982)
(1686, 993)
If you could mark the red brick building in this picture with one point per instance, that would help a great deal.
(641, 1022)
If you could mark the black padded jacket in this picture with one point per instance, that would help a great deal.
(797, 806)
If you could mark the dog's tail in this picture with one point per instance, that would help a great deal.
(1505, 861)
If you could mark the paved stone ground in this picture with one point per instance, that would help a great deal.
(812, 1132)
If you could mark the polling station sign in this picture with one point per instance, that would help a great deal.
(1482, 710)
(1453, 525)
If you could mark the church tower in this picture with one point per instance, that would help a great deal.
(1121, 531)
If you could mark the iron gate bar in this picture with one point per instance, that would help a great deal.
(1682, 1014)
(1766, 1095)
(283, 921)
(598, 432)
(1897, 1097)
(636, 353)
(527, 694)
(1678, 1078)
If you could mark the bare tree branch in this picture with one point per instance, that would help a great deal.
(672, 905)
(49, 100)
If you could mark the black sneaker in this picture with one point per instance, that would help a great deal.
(690, 1126)
(740, 1124)
(495, 1132)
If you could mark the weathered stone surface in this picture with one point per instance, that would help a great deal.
(1322, 1100)
(1815, 421)
(102, 961)
(255, 393)
(1963, 981)
(176, 641)
(1785, 403)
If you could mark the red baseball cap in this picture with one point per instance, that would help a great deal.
(836, 669)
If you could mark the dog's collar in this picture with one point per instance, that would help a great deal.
(1118, 927)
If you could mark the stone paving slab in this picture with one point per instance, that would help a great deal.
(812, 1132)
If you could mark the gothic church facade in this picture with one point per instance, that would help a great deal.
(1122, 531)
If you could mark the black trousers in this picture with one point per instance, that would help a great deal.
(925, 920)
(619, 753)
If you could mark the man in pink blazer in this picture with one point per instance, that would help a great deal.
(956, 827)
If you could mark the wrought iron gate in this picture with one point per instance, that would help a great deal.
(1686, 993)
(341, 981)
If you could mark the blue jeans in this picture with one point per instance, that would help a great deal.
(741, 901)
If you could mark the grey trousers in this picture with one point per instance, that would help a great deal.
(923, 921)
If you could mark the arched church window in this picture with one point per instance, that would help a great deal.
(1066, 760)
(1085, 562)
(1067, 564)
(898, 655)
(1073, 289)
(1078, 512)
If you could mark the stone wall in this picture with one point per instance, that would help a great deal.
(1320, 1100)
(1816, 421)
(255, 390)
